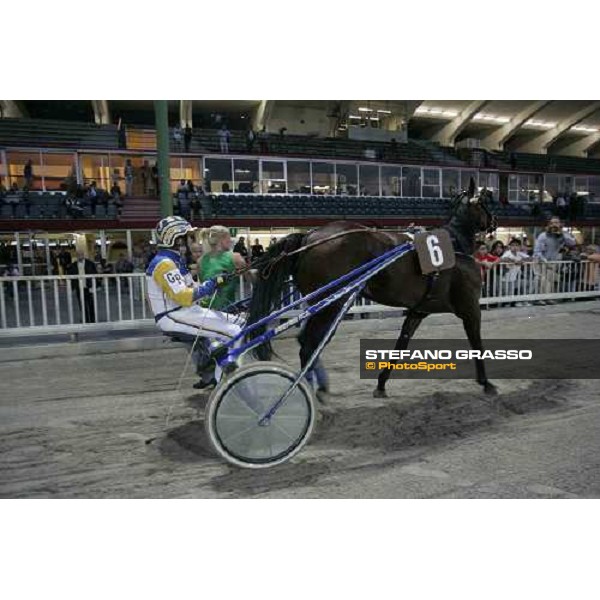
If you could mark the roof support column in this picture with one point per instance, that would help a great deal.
(101, 112)
(541, 143)
(9, 109)
(581, 147)
(185, 113)
(498, 137)
(263, 114)
(450, 132)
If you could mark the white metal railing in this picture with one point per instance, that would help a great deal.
(74, 303)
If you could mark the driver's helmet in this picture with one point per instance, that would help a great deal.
(170, 228)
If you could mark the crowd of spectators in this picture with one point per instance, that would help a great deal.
(555, 263)
(568, 206)
(188, 200)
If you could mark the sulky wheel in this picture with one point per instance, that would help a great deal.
(236, 407)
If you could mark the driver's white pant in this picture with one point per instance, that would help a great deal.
(194, 320)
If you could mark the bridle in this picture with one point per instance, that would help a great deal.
(492, 219)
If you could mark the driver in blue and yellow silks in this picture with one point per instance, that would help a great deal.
(173, 296)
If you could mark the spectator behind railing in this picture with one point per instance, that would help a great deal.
(589, 275)
(177, 137)
(84, 266)
(183, 200)
(250, 139)
(128, 178)
(115, 194)
(91, 197)
(28, 174)
(570, 271)
(194, 194)
(224, 137)
(514, 282)
(484, 259)
(146, 175)
(548, 246)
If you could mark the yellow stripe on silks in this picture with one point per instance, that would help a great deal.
(168, 277)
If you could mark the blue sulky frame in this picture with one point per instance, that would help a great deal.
(357, 277)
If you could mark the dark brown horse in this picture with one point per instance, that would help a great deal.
(456, 290)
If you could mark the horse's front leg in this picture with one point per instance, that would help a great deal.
(410, 325)
(472, 326)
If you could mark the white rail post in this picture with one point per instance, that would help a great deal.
(69, 288)
(2, 305)
(16, 302)
(56, 302)
(44, 307)
(119, 305)
(143, 294)
(30, 304)
(130, 281)
(95, 295)
(106, 299)
(81, 281)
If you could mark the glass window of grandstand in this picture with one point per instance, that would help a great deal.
(186, 169)
(368, 180)
(3, 173)
(323, 178)
(347, 179)
(524, 188)
(58, 171)
(95, 167)
(465, 179)
(490, 182)
(245, 176)
(594, 188)
(450, 183)
(273, 177)
(391, 181)
(580, 185)
(142, 178)
(17, 161)
(411, 182)
(513, 188)
(218, 175)
(431, 183)
(298, 177)
(555, 185)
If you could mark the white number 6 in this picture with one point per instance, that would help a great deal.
(435, 252)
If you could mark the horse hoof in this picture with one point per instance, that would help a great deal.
(490, 389)
(377, 393)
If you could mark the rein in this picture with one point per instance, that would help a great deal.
(269, 266)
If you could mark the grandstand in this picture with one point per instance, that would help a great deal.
(385, 163)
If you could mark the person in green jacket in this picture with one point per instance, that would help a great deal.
(218, 259)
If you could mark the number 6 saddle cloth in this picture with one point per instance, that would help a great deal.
(435, 251)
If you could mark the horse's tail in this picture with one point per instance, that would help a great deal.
(274, 271)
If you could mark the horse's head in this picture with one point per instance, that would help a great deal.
(473, 210)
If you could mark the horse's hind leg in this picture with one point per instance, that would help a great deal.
(410, 325)
(472, 326)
